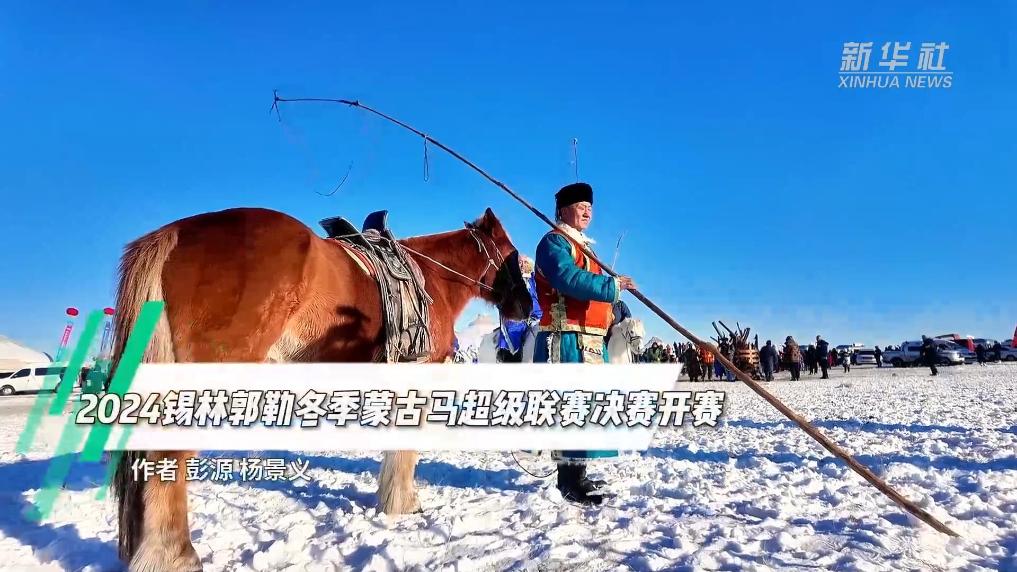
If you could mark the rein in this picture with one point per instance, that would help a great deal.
(476, 281)
(631, 339)
(481, 247)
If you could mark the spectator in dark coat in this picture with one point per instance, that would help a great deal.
(879, 356)
(793, 358)
(929, 354)
(823, 356)
(692, 365)
(980, 353)
(997, 348)
(768, 360)
(727, 350)
(621, 311)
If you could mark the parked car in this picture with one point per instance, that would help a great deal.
(1007, 353)
(967, 355)
(864, 357)
(31, 378)
(848, 348)
(910, 353)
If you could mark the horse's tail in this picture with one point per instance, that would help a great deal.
(140, 281)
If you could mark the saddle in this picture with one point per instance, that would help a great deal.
(405, 303)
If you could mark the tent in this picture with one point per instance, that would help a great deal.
(14, 356)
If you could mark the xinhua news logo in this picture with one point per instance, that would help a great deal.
(894, 69)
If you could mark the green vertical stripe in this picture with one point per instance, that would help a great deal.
(43, 399)
(71, 437)
(115, 457)
(57, 470)
(77, 360)
(134, 351)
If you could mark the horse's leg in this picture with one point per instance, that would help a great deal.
(397, 493)
(165, 536)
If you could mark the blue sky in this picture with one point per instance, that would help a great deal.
(749, 186)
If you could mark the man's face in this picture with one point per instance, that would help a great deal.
(578, 215)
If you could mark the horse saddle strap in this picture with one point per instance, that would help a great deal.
(390, 255)
(404, 299)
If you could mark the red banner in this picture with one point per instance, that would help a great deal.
(63, 341)
(67, 334)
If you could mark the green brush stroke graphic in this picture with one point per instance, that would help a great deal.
(114, 461)
(134, 351)
(43, 399)
(77, 360)
(70, 439)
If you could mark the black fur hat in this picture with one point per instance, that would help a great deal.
(572, 194)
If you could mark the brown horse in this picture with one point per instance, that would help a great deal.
(254, 285)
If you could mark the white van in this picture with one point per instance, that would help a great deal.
(32, 378)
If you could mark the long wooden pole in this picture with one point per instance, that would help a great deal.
(823, 440)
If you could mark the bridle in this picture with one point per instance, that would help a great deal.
(631, 338)
(481, 247)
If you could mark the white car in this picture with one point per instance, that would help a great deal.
(967, 355)
(1008, 353)
(864, 357)
(910, 353)
(32, 378)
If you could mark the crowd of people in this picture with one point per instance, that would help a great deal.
(700, 365)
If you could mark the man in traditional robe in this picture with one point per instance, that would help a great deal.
(576, 299)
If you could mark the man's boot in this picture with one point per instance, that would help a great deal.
(591, 485)
(575, 487)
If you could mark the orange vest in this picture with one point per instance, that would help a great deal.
(565, 314)
(705, 356)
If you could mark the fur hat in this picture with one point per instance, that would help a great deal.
(572, 194)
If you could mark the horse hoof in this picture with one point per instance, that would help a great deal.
(151, 557)
(401, 505)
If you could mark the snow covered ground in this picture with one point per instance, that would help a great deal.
(752, 494)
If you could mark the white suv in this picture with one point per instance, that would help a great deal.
(32, 378)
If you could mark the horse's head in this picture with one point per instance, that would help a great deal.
(508, 289)
(634, 332)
